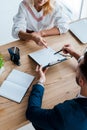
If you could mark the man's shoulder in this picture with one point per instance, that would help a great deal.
(67, 105)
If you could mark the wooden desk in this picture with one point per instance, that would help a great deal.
(60, 84)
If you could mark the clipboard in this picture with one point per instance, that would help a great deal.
(47, 57)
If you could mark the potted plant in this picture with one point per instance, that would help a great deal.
(1, 64)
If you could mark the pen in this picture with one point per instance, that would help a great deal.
(62, 54)
(14, 50)
(58, 51)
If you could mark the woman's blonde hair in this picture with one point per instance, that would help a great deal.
(47, 8)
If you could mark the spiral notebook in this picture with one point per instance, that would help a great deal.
(16, 85)
(46, 57)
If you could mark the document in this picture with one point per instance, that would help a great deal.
(16, 85)
(47, 57)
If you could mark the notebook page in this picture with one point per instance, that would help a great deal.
(20, 78)
(12, 91)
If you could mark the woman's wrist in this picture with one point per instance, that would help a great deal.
(43, 33)
(33, 37)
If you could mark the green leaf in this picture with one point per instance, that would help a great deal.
(1, 61)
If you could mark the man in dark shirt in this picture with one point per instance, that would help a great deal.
(69, 115)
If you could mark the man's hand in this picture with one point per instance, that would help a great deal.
(41, 74)
(69, 49)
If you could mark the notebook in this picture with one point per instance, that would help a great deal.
(16, 85)
(79, 29)
(46, 57)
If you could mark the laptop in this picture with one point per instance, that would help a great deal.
(79, 29)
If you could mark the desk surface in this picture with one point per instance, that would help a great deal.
(60, 84)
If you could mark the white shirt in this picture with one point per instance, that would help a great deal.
(29, 18)
(80, 96)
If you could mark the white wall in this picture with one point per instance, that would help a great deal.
(84, 9)
(8, 8)
(74, 6)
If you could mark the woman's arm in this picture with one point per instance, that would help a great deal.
(50, 32)
(32, 36)
(19, 21)
(61, 21)
(25, 36)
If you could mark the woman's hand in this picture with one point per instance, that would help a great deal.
(38, 39)
(41, 74)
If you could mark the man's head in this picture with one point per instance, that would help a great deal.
(81, 73)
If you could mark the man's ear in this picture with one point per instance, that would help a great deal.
(81, 81)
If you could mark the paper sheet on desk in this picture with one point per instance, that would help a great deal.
(45, 56)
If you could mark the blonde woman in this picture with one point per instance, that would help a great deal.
(39, 18)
